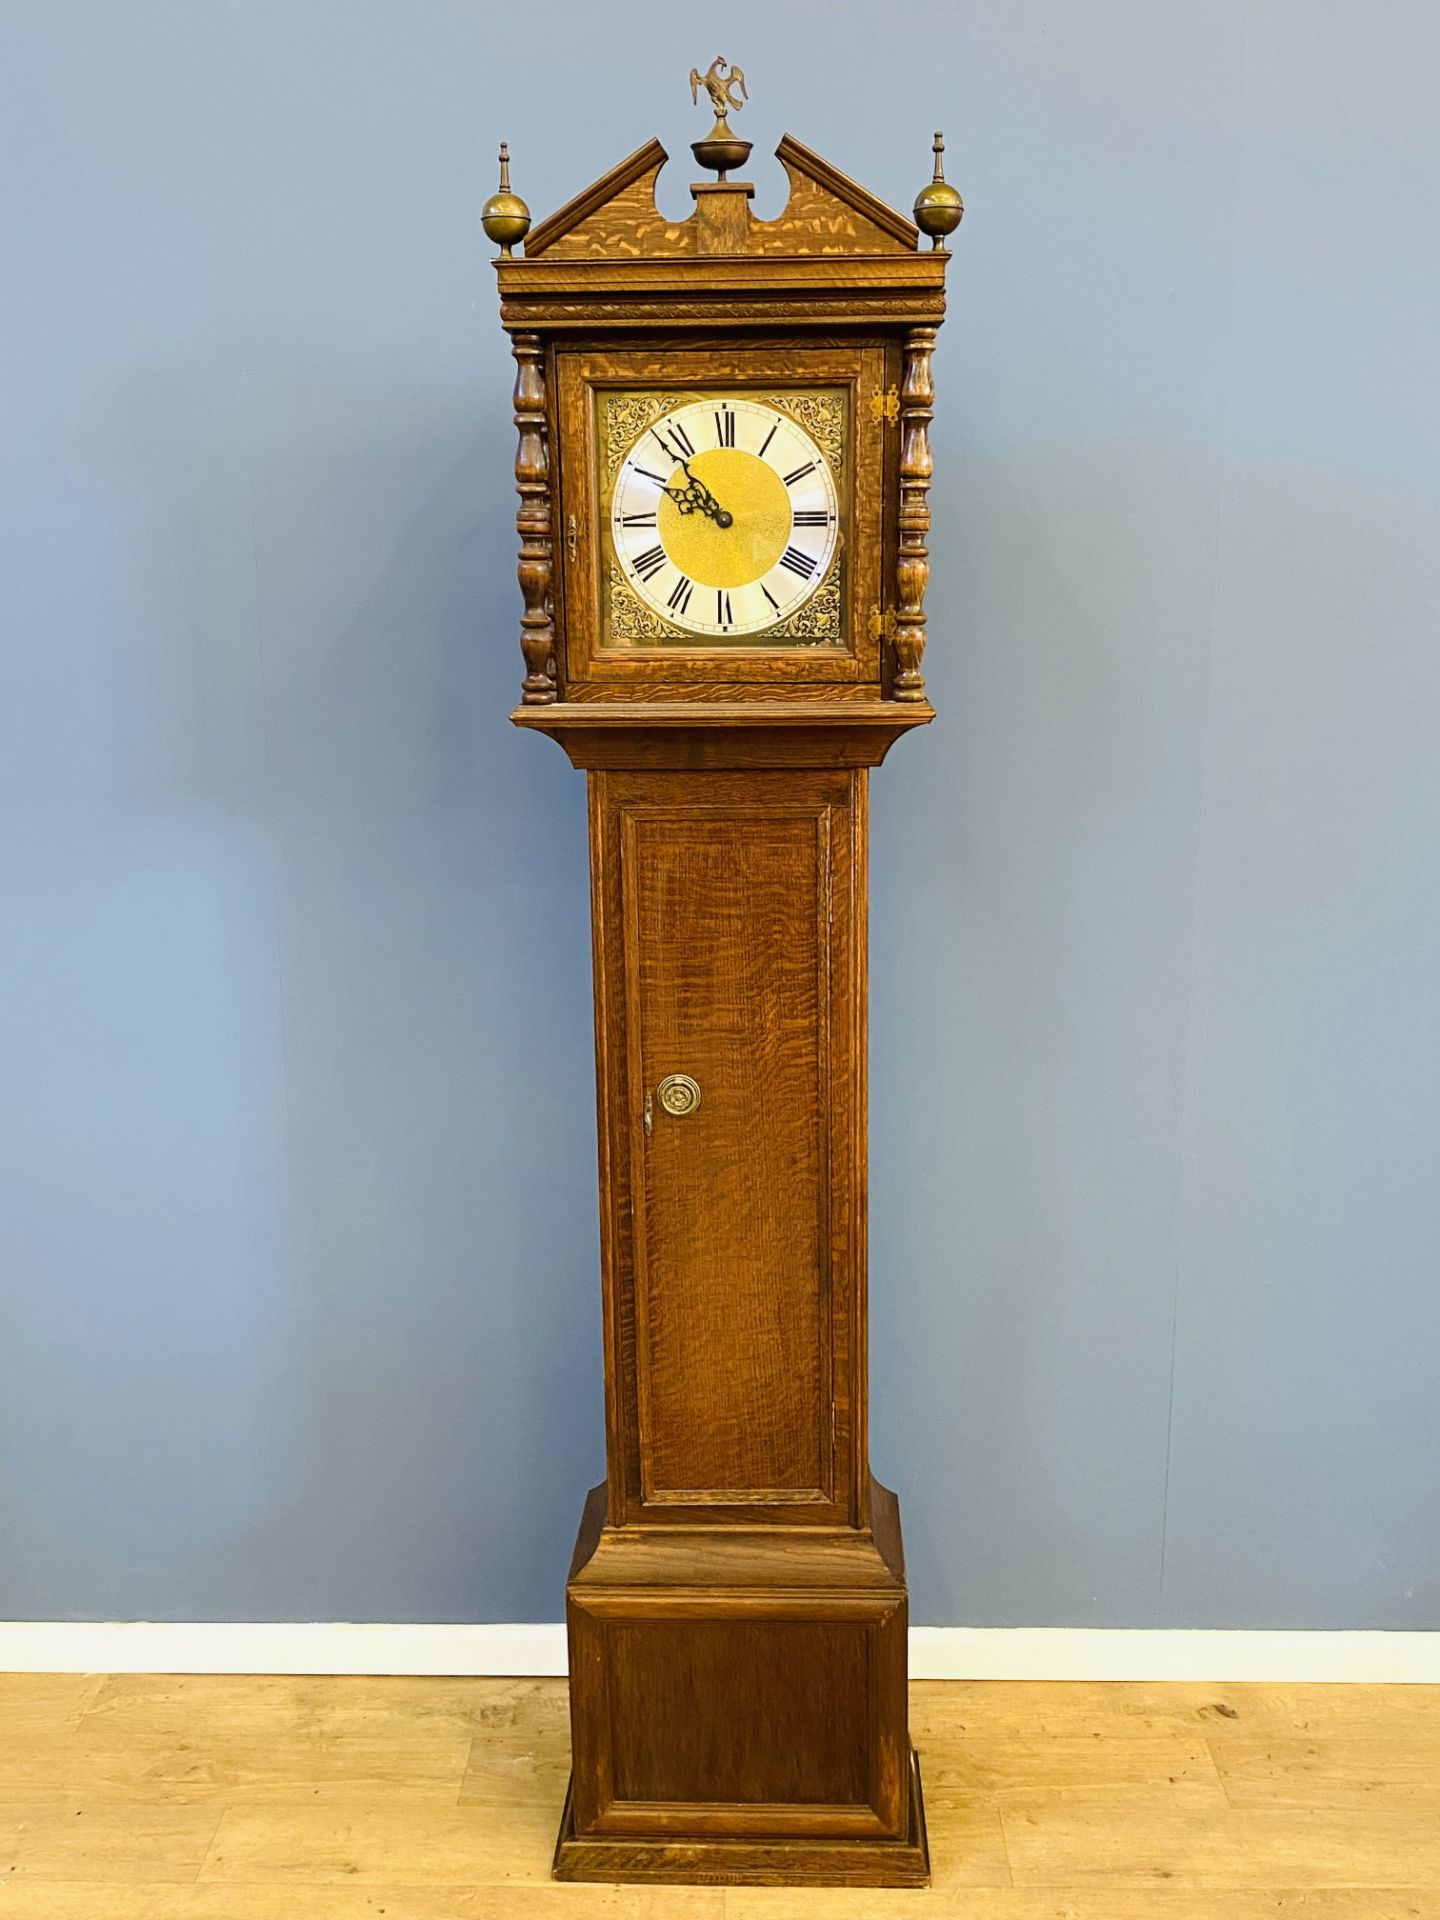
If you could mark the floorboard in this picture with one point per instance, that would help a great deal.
(200, 1797)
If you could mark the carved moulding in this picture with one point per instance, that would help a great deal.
(538, 308)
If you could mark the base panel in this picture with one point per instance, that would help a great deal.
(798, 1862)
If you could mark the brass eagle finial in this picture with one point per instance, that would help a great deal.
(725, 85)
(722, 82)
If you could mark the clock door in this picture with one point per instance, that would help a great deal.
(721, 520)
(730, 917)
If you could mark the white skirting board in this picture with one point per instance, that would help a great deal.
(936, 1653)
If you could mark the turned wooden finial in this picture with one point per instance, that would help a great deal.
(938, 206)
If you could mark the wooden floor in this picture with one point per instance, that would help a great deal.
(155, 1798)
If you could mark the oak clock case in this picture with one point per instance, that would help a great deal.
(723, 468)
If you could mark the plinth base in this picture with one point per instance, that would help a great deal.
(798, 1861)
(738, 1705)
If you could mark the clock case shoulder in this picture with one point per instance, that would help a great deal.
(712, 735)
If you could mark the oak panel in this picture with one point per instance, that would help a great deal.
(771, 1712)
(795, 1703)
(727, 980)
(728, 918)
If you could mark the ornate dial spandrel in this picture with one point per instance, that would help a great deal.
(626, 416)
(823, 417)
(816, 624)
(632, 622)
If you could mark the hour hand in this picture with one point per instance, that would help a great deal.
(696, 497)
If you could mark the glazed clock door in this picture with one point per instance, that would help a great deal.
(734, 920)
(721, 518)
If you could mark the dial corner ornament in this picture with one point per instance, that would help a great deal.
(724, 516)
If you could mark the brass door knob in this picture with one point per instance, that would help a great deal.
(678, 1094)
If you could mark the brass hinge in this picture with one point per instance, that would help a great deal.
(885, 406)
(882, 625)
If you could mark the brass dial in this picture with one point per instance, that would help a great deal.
(725, 516)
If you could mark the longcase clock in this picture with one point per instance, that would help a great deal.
(723, 471)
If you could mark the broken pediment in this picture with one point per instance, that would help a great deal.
(826, 213)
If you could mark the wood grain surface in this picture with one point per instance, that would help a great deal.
(144, 1797)
(727, 922)
(727, 917)
(616, 217)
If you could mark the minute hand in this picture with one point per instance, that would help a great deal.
(696, 497)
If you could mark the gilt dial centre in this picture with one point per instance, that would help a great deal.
(753, 495)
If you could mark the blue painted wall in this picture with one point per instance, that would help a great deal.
(297, 1231)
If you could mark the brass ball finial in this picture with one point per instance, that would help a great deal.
(938, 207)
(720, 149)
(505, 216)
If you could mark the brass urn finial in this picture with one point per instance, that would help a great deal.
(938, 207)
(505, 216)
(725, 84)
